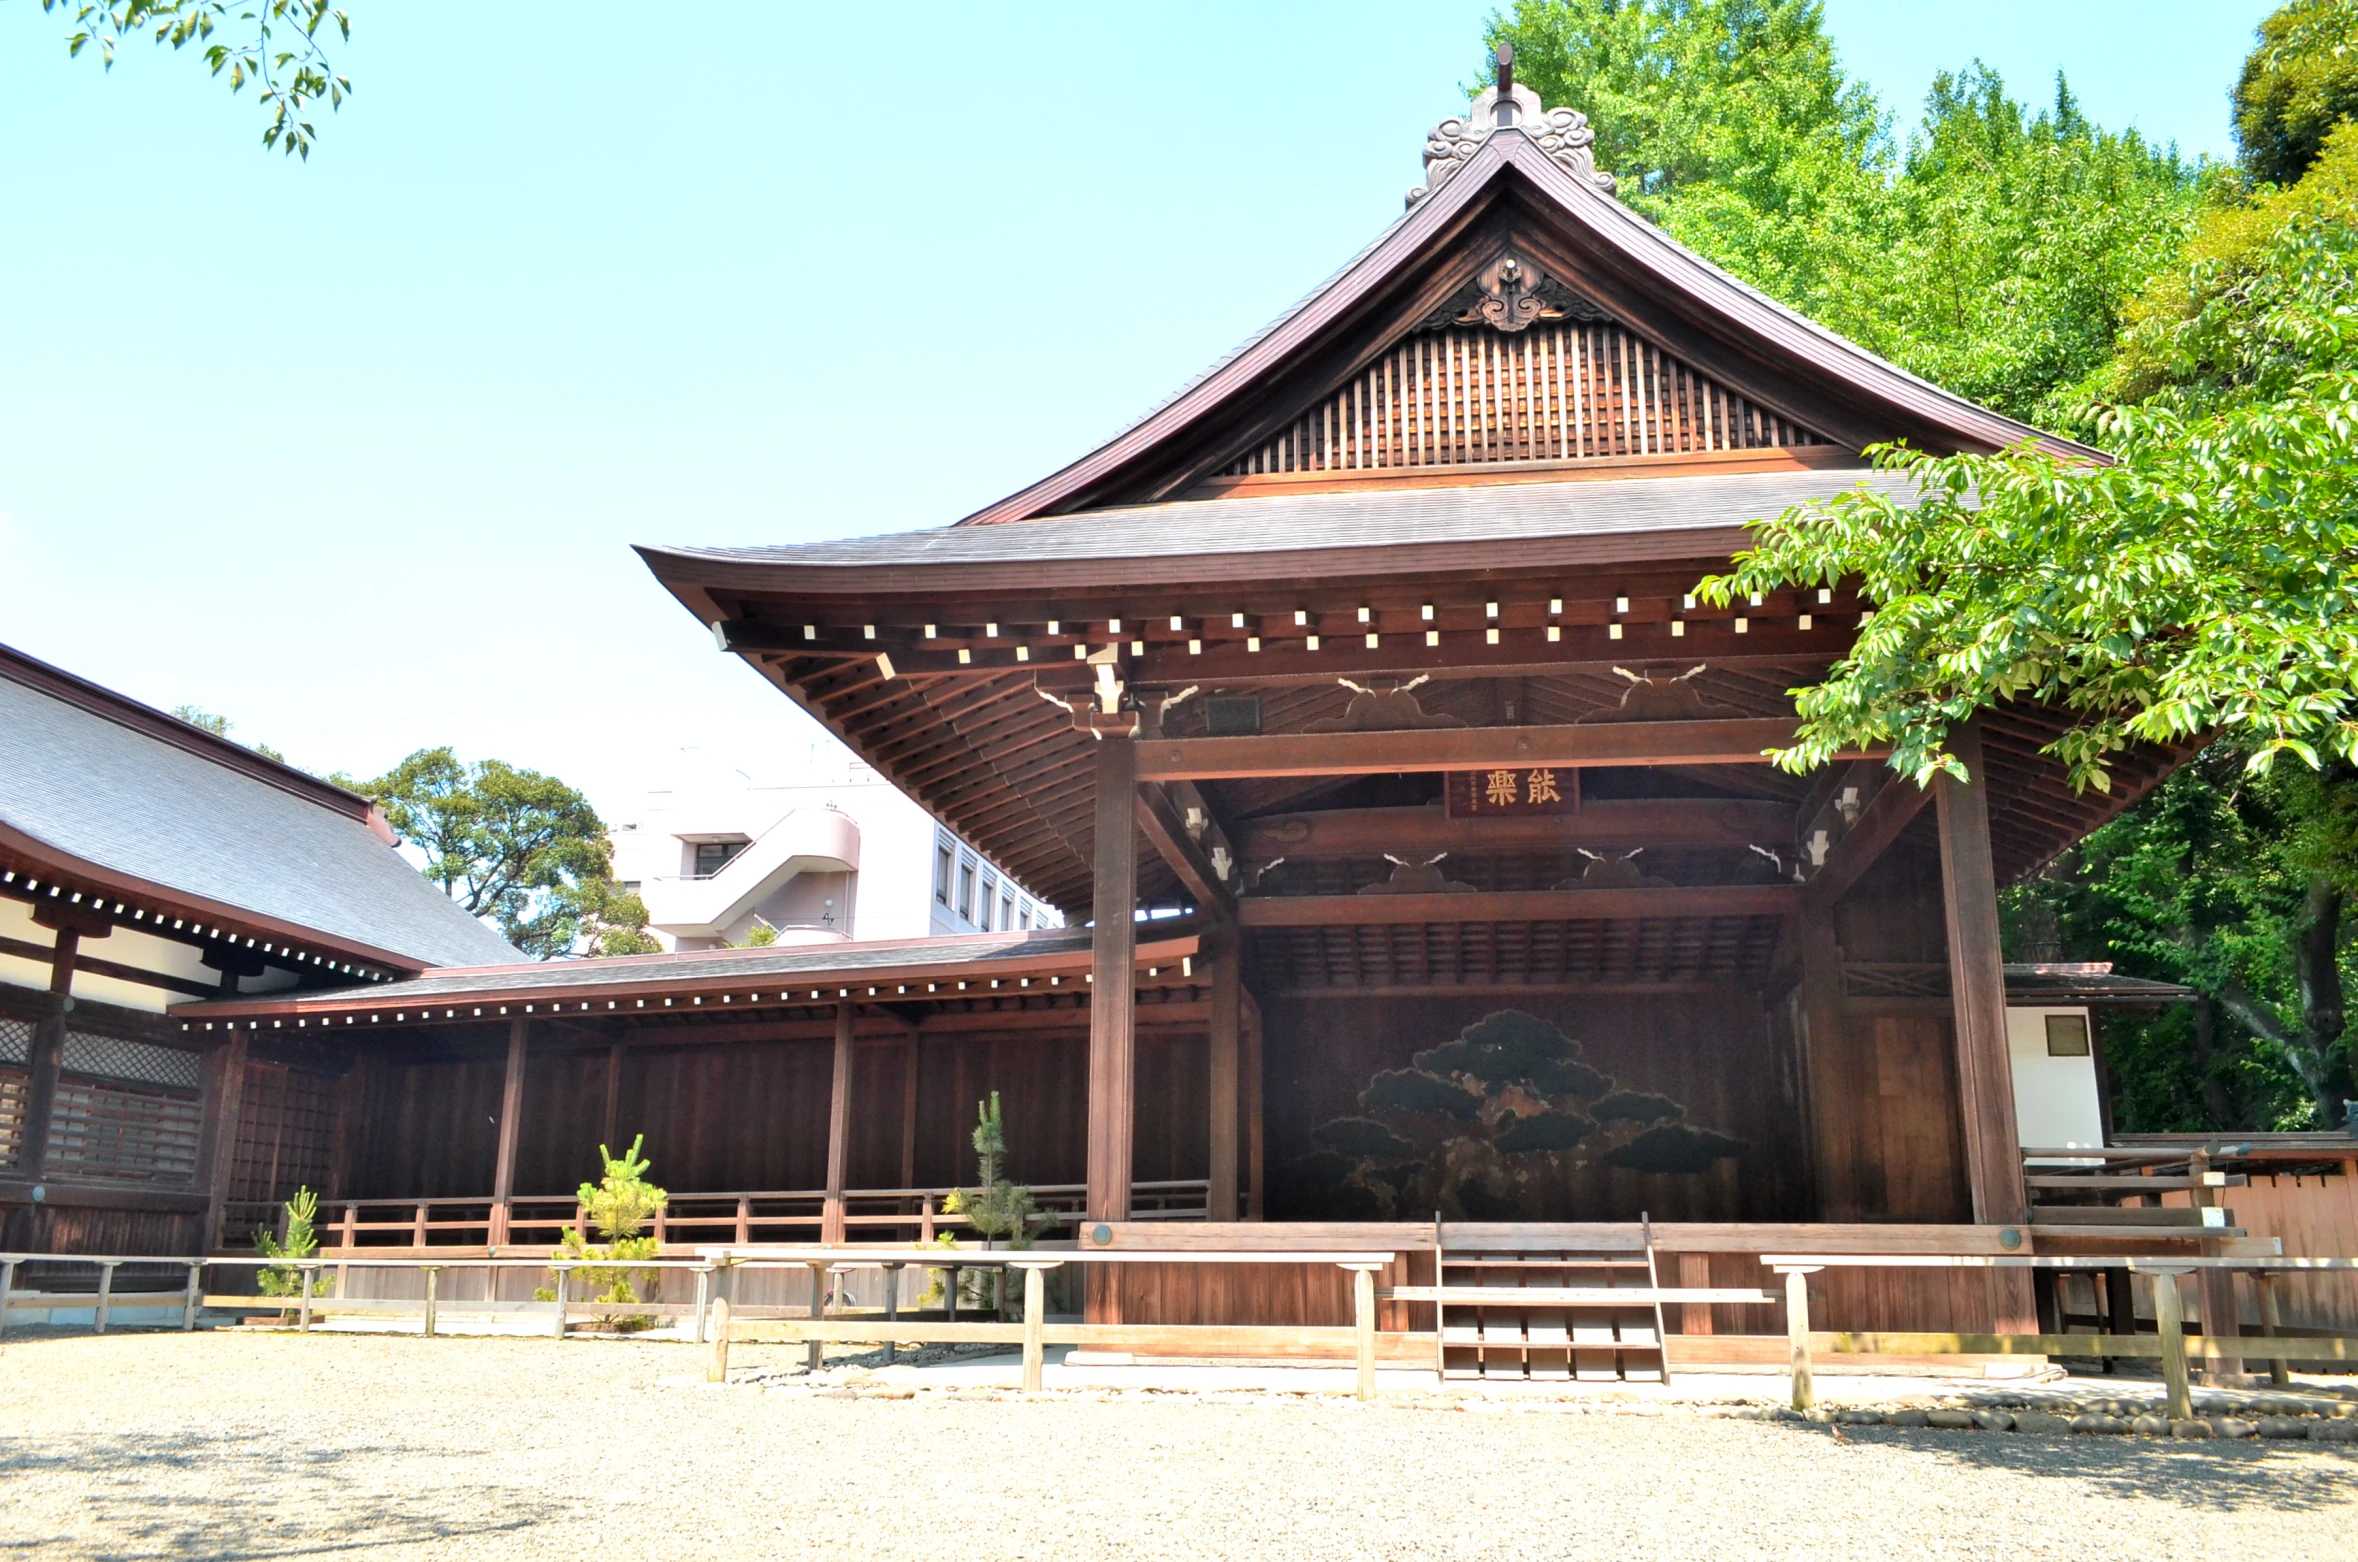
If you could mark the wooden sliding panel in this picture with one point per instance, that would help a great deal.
(1977, 983)
(511, 1113)
(226, 1107)
(1112, 998)
(831, 1223)
(1225, 1072)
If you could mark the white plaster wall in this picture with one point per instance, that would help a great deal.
(2055, 1101)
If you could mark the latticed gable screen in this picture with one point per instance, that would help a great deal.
(1559, 391)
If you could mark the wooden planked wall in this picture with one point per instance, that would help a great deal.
(749, 1116)
(1710, 1050)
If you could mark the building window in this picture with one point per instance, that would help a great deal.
(1024, 917)
(990, 890)
(712, 856)
(1006, 913)
(2067, 1035)
(966, 890)
(943, 861)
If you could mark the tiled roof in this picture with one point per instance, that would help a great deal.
(81, 777)
(1287, 523)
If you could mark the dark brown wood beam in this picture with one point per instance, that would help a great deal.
(1737, 741)
(1537, 905)
(1889, 812)
(1159, 821)
(1366, 832)
(26, 949)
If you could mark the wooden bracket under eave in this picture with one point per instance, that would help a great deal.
(1103, 724)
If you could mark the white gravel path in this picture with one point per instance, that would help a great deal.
(234, 1445)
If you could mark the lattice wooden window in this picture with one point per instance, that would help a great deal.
(285, 1134)
(14, 1085)
(1562, 391)
(16, 1040)
(123, 1132)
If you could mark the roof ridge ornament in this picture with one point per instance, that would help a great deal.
(1562, 133)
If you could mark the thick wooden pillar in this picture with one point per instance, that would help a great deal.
(1227, 1025)
(831, 1222)
(511, 1116)
(1828, 1111)
(1113, 986)
(227, 1108)
(909, 1111)
(42, 1059)
(1255, 1179)
(613, 1094)
(1977, 984)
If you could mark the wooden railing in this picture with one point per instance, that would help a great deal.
(873, 1214)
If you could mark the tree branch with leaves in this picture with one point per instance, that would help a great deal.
(276, 49)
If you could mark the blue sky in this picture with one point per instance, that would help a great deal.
(353, 452)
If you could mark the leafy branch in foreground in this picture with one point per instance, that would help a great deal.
(279, 51)
(2207, 582)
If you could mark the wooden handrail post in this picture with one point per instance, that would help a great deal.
(1805, 1388)
(188, 1306)
(892, 1310)
(417, 1228)
(817, 1356)
(351, 1232)
(744, 1221)
(303, 1318)
(8, 1284)
(925, 1221)
(716, 1366)
(1363, 1321)
(703, 1299)
(2169, 1316)
(564, 1276)
(1035, 1318)
(432, 1272)
(106, 1293)
(2279, 1367)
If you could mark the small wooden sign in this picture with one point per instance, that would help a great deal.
(1543, 789)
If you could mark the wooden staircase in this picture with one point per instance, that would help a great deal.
(1553, 1316)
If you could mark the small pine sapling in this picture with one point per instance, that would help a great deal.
(998, 1208)
(619, 1206)
(302, 1241)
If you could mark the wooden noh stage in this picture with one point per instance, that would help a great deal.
(1368, 665)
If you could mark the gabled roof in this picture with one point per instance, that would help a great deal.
(1656, 286)
(100, 787)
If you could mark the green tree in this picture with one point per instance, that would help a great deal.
(273, 46)
(2296, 86)
(302, 1241)
(516, 846)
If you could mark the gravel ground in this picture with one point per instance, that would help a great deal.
(236, 1445)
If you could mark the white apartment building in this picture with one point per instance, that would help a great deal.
(834, 853)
